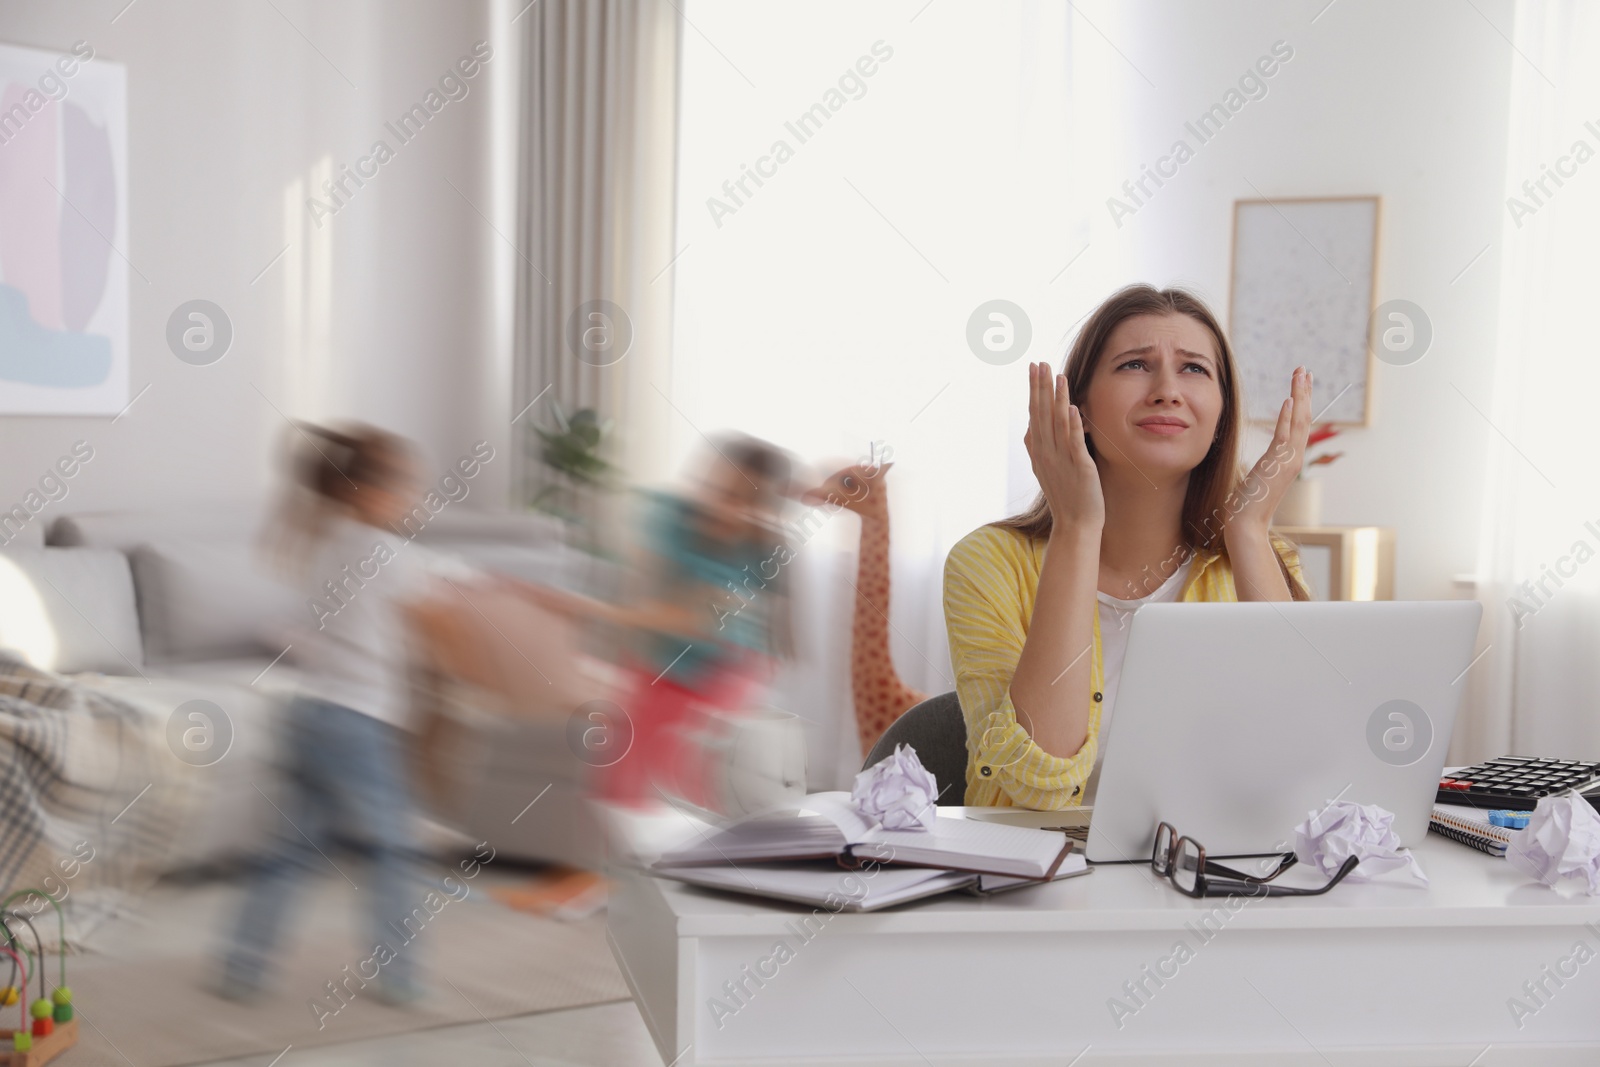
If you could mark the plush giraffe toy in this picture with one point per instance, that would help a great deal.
(880, 697)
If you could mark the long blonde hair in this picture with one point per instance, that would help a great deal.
(1219, 476)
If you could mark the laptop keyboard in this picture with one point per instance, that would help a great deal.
(1517, 782)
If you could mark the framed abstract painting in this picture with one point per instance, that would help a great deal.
(63, 232)
(1304, 275)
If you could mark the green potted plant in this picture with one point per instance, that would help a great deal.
(575, 473)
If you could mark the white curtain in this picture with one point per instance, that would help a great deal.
(599, 118)
(1536, 689)
(829, 307)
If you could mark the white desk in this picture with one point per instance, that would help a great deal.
(1368, 974)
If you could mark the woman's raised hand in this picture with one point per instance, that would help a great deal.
(1061, 462)
(1264, 487)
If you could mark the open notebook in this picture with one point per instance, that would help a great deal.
(828, 826)
(823, 885)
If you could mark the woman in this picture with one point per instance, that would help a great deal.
(709, 625)
(1135, 449)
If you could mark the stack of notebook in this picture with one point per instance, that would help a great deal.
(1471, 827)
(825, 853)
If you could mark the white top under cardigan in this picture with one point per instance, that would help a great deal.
(1116, 617)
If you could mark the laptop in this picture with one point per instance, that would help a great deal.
(1235, 721)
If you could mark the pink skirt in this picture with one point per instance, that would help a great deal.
(666, 758)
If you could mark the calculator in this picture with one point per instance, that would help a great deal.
(1517, 782)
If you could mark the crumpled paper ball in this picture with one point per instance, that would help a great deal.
(1562, 839)
(1343, 829)
(898, 793)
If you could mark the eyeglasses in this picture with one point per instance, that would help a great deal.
(1182, 860)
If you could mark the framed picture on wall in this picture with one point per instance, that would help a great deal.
(1304, 278)
(63, 232)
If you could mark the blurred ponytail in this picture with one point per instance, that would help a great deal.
(326, 469)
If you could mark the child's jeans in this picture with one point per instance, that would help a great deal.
(346, 772)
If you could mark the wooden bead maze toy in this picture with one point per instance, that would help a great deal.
(53, 1029)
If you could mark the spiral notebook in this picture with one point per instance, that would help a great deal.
(1471, 827)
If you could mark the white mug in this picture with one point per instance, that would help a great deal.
(753, 759)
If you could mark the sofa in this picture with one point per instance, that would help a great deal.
(162, 608)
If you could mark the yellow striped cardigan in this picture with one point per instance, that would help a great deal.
(990, 579)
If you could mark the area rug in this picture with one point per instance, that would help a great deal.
(141, 994)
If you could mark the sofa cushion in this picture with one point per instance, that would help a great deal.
(226, 521)
(207, 600)
(70, 609)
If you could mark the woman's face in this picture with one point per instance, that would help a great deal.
(1154, 401)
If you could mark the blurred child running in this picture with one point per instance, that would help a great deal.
(344, 732)
(711, 623)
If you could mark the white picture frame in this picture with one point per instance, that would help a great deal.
(63, 232)
(1303, 281)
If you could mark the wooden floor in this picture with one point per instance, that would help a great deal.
(603, 1035)
(171, 918)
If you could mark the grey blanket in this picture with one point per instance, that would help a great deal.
(90, 797)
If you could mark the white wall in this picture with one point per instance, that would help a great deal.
(830, 309)
(229, 104)
(387, 313)
(1408, 101)
(972, 155)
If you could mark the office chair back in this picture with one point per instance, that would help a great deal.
(936, 729)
